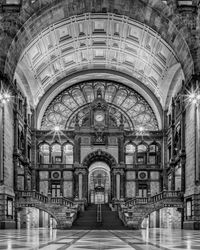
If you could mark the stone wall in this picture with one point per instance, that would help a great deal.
(190, 151)
(170, 218)
(29, 217)
(8, 145)
(130, 184)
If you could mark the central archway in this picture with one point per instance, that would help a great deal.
(99, 183)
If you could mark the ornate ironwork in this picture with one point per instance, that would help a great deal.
(122, 102)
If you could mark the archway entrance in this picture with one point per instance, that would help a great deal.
(99, 184)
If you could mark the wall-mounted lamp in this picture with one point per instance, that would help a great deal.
(194, 98)
(4, 97)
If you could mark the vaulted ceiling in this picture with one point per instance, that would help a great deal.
(99, 41)
(55, 44)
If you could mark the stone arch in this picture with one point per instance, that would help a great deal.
(150, 209)
(56, 211)
(123, 78)
(99, 155)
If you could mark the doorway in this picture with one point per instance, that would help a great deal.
(99, 183)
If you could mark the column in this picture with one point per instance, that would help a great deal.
(122, 188)
(80, 186)
(34, 161)
(118, 186)
(121, 149)
(25, 177)
(77, 150)
(197, 141)
(172, 165)
(1, 144)
(183, 154)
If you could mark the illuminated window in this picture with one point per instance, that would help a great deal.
(121, 100)
(189, 208)
(130, 153)
(68, 154)
(44, 153)
(56, 153)
(141, 154)
(153, 154)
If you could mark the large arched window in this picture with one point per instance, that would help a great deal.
(56, 153)
(44, 153)
(141, 154)
(154, 154)
(68, 154)
(130, 151)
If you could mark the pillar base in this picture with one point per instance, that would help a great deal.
(191, 225)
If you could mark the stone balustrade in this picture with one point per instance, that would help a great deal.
(134, 211)
(61, 208)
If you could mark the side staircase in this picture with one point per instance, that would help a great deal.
(62, 209)
(103, 219)
(135, 210)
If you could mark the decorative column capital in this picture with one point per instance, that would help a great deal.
(82, 171)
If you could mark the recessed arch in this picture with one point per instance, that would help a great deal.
(75, 78)
(99, 155)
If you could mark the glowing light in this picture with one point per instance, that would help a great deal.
(56, 128)
(198, 97)
(4, 97)
(194, 101)
(141, 129)
(192, 96)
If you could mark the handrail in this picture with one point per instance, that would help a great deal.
(99, 213)
(31, 194)
(155, 198)
(40, 197)
(63, 201)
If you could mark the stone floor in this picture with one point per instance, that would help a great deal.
(150, 239)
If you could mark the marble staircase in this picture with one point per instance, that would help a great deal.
(135, 210)
(62, 209)
(88, 219)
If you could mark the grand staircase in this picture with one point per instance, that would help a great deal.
(61, 208)
(109, 220)
(129, 215)
(135, 210)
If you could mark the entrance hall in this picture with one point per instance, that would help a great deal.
(99, 124)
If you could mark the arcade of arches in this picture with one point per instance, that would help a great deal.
(100, 104)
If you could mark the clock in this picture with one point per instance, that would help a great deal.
(99, 117)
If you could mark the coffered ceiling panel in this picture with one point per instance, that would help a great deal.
(95, 41)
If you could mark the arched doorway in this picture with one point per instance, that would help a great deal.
(99, 183)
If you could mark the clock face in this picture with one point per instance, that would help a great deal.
(99, 117)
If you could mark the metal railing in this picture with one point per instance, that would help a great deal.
(99, 213)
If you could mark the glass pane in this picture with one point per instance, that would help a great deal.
(142, 148)
(44, 148)
(56, 148)
(129, 159)
(130, 148)
(152, 159)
